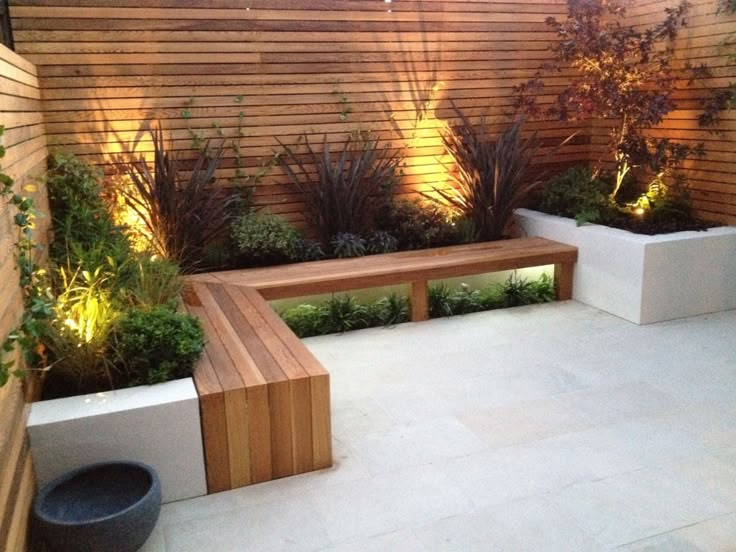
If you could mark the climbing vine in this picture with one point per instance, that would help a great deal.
(722, 99)
(38, 301)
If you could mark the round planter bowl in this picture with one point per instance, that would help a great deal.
(107, 507)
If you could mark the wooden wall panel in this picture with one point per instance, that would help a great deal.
(25, 160)
(712, 179)
(108, 68)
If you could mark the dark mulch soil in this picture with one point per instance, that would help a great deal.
(638, 225)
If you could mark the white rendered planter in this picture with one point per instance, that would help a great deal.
(158, 425)
(645, 279)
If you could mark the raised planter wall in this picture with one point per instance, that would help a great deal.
(158, 425)
(645, 279)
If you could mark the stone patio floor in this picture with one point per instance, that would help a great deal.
(552, 427)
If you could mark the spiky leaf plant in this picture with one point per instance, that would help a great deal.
(342, 188)
(493, 175)
(183, 214)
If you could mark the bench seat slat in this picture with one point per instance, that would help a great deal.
(249, 444)
(363, 264)
(299, 398)
(278, 389)
(321, 422)
(234, 430)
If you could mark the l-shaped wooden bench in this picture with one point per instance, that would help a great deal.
(264, 398)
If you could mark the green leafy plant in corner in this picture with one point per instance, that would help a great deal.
(157, 345)
(576, 193)
(38, 303)
(85, 233)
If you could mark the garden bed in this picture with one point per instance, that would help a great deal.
(641, 278)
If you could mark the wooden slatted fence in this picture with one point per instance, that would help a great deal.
(26, 157)
(109, 68)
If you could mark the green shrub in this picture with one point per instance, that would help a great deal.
(76, 340)
(304, 320)
(157, 345)
(81, 220)
(520, 291)
(440, 301)
(348, 246)
(514, 292)
(416, 225)
(342, 313)
(263, 239)
(382, 242)
(310, 250)
(576, 194)
(389, 311)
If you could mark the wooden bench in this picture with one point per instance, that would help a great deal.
(407, 267)
(265, 399)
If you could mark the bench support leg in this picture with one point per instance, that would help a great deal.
(419, 301)
(563, 281)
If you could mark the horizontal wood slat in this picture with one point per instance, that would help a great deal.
(109, 68)
(25, 142)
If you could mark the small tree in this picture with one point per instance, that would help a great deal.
(625, 75)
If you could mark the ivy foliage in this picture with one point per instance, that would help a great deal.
(38, 302)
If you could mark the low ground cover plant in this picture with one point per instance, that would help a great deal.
(344, 313)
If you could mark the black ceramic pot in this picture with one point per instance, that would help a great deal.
(107, 507)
